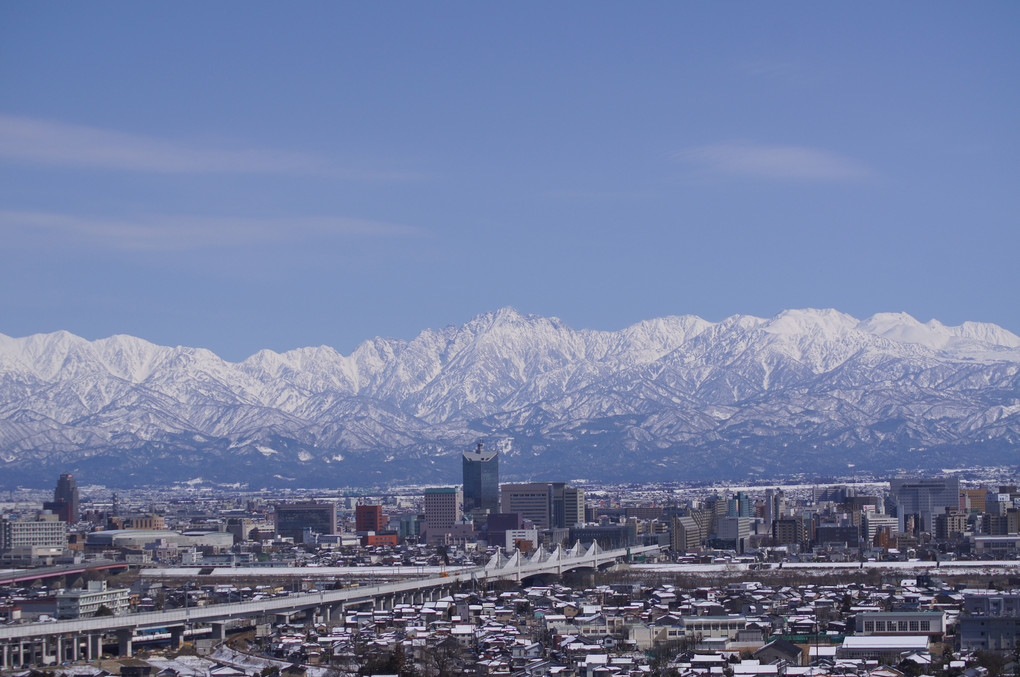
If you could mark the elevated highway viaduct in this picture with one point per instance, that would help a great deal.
(33, 644)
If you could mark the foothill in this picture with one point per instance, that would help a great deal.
(864, 576)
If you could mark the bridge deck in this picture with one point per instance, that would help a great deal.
(299, 602)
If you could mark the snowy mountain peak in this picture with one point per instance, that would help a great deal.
(509, 318)
(791, 391)
(989, 333)
(933, 334)
(827, 323)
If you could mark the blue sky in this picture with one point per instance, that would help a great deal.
(246, 175)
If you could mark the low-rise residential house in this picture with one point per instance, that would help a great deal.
(780, 651)
(889, 649)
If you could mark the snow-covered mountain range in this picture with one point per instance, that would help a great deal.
(676, 397)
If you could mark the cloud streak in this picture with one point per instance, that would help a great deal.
(174, 233)
(791, 163)
(68, 145)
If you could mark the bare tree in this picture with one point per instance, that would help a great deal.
(443, 659)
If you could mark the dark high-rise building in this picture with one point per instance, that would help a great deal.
(292, 519)
(481, 480)
(66, 493)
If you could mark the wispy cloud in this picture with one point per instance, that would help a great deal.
(165, 232)
(774, 162)
(68, 145)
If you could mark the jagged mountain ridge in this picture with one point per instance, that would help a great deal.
(809, 390)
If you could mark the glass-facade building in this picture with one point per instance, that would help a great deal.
(67, 492)
(481, 480)
(292, 519)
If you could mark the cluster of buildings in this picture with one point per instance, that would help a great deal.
(481, 510)
(606, 630)
(630, 629)
(932, 517)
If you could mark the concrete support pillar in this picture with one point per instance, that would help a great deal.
(58, 649)
(125, 648)
(176, 637)
(326, 612)
(5, 657)
(219, 631)
(94, 647)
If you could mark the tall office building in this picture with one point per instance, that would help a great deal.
(975, 499)
(791, 531)
(775, 506)
(67, 492)
(685, 535)
(924, 498)
(739, 506)
(369, 518)
(532, 501)
(481, 480)
(572, 499)
(735, 531)
(292, 519)
(443, 508)
(547, 504)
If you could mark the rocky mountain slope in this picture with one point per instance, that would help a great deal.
(676, 397)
